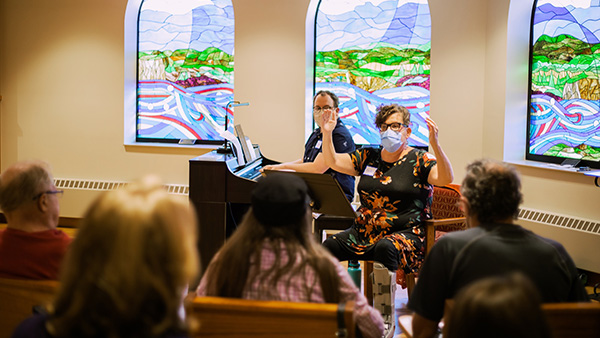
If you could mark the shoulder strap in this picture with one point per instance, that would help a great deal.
(342, 332)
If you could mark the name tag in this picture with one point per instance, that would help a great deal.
(318, 145)
(369, 171)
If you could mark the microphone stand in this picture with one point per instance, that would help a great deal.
(226, 148)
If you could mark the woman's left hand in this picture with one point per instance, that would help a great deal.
(433, 131)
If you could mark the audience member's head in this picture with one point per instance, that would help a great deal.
(491, 191)
(280, 218)
(28, 196)
(507, 306)
(280, 204)
(129, 266)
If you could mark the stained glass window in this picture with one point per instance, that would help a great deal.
(185, 70)
(564, 118)
(371, 53)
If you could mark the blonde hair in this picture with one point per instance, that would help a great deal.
(128, 267)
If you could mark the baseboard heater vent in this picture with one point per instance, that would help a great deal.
(76, 184)
(562, 221)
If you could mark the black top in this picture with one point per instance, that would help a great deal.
(462, 257)
(343, 143)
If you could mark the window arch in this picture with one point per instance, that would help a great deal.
(564, 111)
(371, 53)
(184, 70)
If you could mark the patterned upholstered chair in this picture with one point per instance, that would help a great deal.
(446, 217)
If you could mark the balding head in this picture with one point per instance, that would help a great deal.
(21, 182)
(492, 190)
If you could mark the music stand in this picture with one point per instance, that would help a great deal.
(328, 196)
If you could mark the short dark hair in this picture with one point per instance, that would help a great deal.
(336, 100)
(499, 306)
(492, 189)
(385, 111)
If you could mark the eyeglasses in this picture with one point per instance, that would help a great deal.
(319, 109)
(393, 126)
(59, 193)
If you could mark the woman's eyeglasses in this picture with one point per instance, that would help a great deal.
(393, 126)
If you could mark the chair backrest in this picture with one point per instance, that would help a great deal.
(445, 201)
(229, 317)
(566, 320)
(17, 299)
(580, 320)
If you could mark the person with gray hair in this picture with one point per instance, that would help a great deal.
(30, 247)
(494, 245)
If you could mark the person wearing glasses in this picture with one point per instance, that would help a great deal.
(127, 272)
(30, 247)
(395, 192)
(312, 161)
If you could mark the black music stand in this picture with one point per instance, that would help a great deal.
(328, 197)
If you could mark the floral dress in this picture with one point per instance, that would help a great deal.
(395, 198)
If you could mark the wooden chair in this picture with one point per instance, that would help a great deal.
(566, 320)
(447, 217)
(17, 299)
(229, 317)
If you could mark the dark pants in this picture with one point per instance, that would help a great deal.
(383, 252)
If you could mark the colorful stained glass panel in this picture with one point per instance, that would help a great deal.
(372, 53)
(564, 117)
(185, 69)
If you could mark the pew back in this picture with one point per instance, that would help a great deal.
(565, 320)
(17, 299)
(228, 317)
(573, 319)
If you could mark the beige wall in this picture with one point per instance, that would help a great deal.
(61, 79)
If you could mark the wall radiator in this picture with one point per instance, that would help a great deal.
(563, 221)
(95, 185)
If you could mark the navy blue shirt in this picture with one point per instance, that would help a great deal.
(343, 143)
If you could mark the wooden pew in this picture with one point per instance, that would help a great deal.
(566, 320)
(229, 317)
(17, 299)
(580, 320)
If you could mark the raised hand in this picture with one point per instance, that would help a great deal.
(329, 120)
(433, 131)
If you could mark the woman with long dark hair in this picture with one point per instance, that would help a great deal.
(273, 256)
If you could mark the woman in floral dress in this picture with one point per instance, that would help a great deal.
(395, 191)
